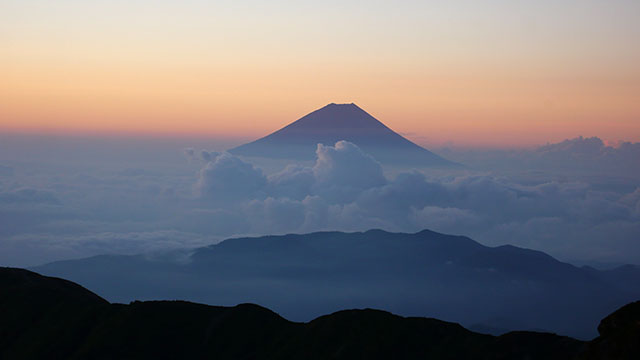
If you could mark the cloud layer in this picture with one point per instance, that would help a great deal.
(51, 211)
(346, 190)
(571, 157)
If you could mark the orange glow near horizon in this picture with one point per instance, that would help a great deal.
(479, 87)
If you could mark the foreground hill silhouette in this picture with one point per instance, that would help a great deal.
(336, 122)
(424, 274)
(619, 335)
(43, 317)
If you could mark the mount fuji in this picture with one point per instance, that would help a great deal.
(336, 122)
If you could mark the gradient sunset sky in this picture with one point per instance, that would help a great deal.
(474, 73)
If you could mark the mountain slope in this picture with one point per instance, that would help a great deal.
(619, 335)
(422, 274)
(176, 329)
(336, 122)
(32, 307)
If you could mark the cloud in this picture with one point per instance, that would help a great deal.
(6, 170)
(189, 153)
(208, 155)
(444, 219)
(45, 247)
(283, 215)
(589, 154)
(633, 200)
(345, 165)
(28, 196)
(577, 148)
(295, 182)
(203, 155)
(572, 156)
(340, 173)
(275, 215)
(228, 179)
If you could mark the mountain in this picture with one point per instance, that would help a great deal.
(619, 335)
(60, 319)
(424, 274)
(336, 122)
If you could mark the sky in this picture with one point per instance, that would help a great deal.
(468, 73)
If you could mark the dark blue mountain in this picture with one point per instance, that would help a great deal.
(424, 274)
(336, 122)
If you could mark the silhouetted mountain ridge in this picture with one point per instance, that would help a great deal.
(619, 336)
(44, 317)
(63, 327)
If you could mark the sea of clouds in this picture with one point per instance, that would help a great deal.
(68, 206)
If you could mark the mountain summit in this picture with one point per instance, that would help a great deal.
(336, 122)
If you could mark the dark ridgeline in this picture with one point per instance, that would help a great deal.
(453, 278)
(619, 336)
(50, 318)
(336, 122)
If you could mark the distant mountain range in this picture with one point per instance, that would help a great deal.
(51, 318)
(336, 122)
(492, 289)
